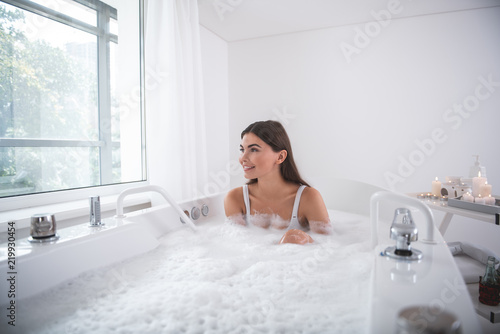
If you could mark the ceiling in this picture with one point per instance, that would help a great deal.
(235, 20)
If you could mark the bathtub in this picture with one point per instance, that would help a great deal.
(148, 272)
(430, 290)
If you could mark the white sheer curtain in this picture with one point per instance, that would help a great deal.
(175, 119)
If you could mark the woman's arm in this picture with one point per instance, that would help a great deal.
(313, 208)
(234, 206)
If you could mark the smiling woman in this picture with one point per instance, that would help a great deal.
(275, 195)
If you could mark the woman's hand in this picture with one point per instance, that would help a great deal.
(295, 236)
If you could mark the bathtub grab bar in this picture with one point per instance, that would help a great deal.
(161, 191)
(391, 196)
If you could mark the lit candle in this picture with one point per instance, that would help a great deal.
(436, 187)
(477, 182)
(468, 197)
(489, 200)
(479, 199)
(485, 190)
(421, 196)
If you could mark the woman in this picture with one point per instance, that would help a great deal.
(275, 194)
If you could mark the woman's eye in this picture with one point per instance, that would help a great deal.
(242, 150)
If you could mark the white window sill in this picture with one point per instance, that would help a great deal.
(67, 210)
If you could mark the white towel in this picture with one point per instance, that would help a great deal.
(471, 259)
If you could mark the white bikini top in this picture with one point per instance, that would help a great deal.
(294, 222)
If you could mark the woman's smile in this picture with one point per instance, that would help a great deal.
(257, 158)
(272, 195)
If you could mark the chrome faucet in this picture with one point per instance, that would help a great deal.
(119, 202)
(43, 228)
(406, 200)
(404, 231)
(95, 211)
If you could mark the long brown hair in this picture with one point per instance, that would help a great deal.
(274, 135)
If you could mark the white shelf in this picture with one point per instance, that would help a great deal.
(451, 210)
(487, 217)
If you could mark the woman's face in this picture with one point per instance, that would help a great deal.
(257, 158)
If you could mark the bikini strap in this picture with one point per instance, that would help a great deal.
(246, 198)
(297, 201)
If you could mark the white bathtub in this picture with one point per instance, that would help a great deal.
(106, 261)
(431, 287)
(82, 248)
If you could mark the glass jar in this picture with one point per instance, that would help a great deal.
(489, 285)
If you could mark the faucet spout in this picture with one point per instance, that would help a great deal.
(161, 191)
(95, 211)
(406, 227)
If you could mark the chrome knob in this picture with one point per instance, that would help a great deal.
(43, 225)
(404, 231)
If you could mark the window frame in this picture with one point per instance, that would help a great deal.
(105, 144)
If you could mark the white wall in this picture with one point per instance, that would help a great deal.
(360, 119)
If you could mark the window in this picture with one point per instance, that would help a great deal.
(71, 97)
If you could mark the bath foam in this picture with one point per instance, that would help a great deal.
(266, 220)
(223, 279)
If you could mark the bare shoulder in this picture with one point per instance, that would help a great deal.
(312, 195)
(313, 208)
(234, 202)
(313, 202)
